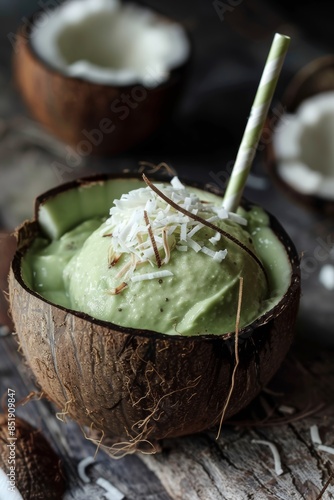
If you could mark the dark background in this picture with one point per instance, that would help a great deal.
(230, 49)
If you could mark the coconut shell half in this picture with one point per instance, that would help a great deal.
(138, 385)
(31, 465)
(314, 78)
(92, 117)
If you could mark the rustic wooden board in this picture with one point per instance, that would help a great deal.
(234, 467)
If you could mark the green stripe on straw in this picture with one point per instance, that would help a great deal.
(256, 122)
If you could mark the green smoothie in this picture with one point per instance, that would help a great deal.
(150, 266)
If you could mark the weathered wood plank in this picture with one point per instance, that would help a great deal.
(199, 468)
(233, 467)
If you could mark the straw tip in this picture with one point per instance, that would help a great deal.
(281, 36)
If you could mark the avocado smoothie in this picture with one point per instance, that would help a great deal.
(171, 267)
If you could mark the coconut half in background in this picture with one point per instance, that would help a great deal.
(29, 468)
(100, 74)
(138, 386)
(300, 152)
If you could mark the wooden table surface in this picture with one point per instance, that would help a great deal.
(198, 142)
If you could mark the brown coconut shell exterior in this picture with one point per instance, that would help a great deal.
(70, 108)
(312, 79)
(38, 471)
(139, 385)
(7, 251)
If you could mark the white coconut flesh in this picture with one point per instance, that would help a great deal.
(7, 490)
(107, 42)
(304, 147)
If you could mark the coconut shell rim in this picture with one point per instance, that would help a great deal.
(24, 30)
(309, 70)
(30, 229)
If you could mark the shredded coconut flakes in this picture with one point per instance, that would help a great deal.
(82, 465)
(327, 449)
(286, 409)
(315, 436)
(151, 276)
(112, 492)
(316, 439)
(144, 225)
(274, 450)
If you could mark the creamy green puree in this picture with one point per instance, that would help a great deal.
(109, 269)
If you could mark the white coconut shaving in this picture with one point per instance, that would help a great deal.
(110, 42)
(112, 493)
(287, 410)
(316, 439)
(274, 450)
(148, 228)
(4, 331)
(327, 449)
(151, 276)
(315, 436)
(304, 147)
(82, 465)
(326, 276)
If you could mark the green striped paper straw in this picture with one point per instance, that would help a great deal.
(255, 122)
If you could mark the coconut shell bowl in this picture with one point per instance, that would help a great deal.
(299, 154)
(132, 386)
(101, 75)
